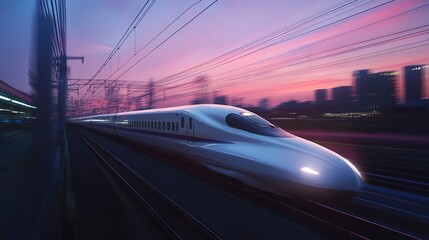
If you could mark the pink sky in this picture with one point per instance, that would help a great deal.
(94, 28)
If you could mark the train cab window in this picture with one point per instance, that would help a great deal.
(190, 123)
(255, 124)
(168, 125)
(182, 122)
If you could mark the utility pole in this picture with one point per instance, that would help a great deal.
(151, 93)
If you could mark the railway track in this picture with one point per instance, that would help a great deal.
(174, 221)
(397, 183)
(328, 220)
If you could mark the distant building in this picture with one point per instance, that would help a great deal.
(112, 96)
(342, 94)
(375, 91)
(295, 105)
(361, 85)
(321, 96)
(342, 98)
(221, 100)
(237, 101)
(197, 101)
(413, 84)
(263, 104)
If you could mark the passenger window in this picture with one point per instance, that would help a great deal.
(190, 123)
(177, 126)
(159, 125)
(163, 125)
(182, 122)
(168, 125)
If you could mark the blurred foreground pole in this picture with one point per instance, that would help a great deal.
(41, 81)
(42, 215)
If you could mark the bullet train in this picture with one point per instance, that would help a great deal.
(239, 144)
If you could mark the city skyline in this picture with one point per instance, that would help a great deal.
(377, 35)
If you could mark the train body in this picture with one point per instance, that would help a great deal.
(239, 144)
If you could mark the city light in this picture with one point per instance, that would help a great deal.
(4, 98)
(16, 102)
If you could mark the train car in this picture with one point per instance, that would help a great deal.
(239, 144)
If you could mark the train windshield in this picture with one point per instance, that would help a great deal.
(255, 124)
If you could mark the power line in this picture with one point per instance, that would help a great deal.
(164, 41)
(124, 37)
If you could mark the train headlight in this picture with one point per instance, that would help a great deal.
(309, 170)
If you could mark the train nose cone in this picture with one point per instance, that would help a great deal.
(321, 167)
(342, 177)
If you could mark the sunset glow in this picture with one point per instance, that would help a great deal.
(283, 50)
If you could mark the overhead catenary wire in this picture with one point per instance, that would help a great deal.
(178, 81)
(408, 11)
(229, 80)
(162, 43)
(323, 13)
(246, 54)
(154, 38)
(137, 20)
